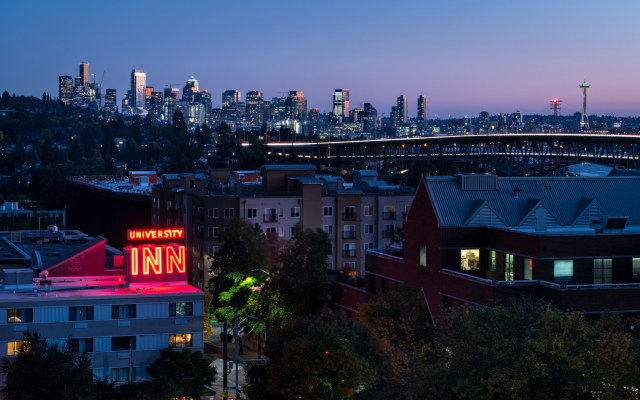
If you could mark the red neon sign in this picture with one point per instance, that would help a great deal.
(149, 265)
(149, 234)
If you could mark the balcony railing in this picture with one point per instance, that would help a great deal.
(270, 218)
(349, 234)
(349, 216)
(389, 215)
(348, 253)
(388, 233)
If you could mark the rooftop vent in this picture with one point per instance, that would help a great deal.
(17, 278)
(478, 182)
(608, 223)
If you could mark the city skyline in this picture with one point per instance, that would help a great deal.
(500, 57)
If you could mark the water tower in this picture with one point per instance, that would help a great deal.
(584, 122)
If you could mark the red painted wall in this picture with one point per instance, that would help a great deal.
(90, 262)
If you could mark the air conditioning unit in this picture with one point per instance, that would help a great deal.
(608, 223)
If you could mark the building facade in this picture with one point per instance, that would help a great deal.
(341, 103)
(403, 110)
(255, 108)
(111, 101)
(65, 89)
(423, 113)
(84, 74)
(138, 88)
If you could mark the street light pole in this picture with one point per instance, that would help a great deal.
(224, 357)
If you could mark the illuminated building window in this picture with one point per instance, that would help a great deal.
(563, 270)
(423, 256)
(492, 261)
(527, 269)
(603, 271)
(20, 316)
(184, 309)
(13, 348)
(281, 231)
(470, 259)
(636, 267)
(180, 340)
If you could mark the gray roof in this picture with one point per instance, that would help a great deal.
(325, 178)
(349, 191)
(372, 184)
(298, 167)
(565, 198)
(175, 177)
(367, 172)
(308, 179)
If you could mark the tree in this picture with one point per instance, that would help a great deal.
(324, 357)
(6, 100)
(60, 372)
(181, 373)
(299, 285)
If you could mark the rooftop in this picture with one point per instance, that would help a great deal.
(286, 167)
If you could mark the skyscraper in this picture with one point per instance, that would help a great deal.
(312, 115)
(296, 105)
(341, 103)
(369, 117)
(147, 96)
(110, 101)
(483, 120)
(191, 89)
(423, 113)
(254, 104)
(155, 104)
(393, 117)
(138, 88)
(84, 74)
(65, 89)
(230, 100)
(171, 96)
(403, 110)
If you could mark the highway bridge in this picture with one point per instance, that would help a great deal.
(511, 154)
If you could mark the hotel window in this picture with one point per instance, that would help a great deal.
(81, 313)
(423, 256)
(602, 271)
(184, 309)
(368, 211)
(228, 213)
(492, 261)
(180, 340)
(328, 211)
(213, 213)
(281, 231)
(527, 269)
(368, 228)
(20, 316)
(120, 343)
(13, 348)
(252, 213)
(80, 345)
(123, 374)
(368, 246)
(295, 212)
(636, 267)
(123, 311)
(280, 212)
(563, 270)
(470, 259)
(328, 229)
(508, 267)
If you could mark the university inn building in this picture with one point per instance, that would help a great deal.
(68, 285)
(481, 240)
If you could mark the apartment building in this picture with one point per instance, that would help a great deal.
(358, 216)
(482, 240)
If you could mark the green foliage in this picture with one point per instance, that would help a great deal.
(57, 372)
(181, 373)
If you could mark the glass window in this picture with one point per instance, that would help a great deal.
(81, 313)
(636, 267)
(368, 246)
(13, 348)
(470, 259)
(123, 311)
(252, 213)
(492, 261)
(293, 231)
(563, 270)
(123, 374)
(423, 256)
(20, 316)
(508, 267)
(528, 269)
(184, 309)
(368, 228)
(81, 345)
(328, 211)
(123, 343)
(328, 229)
(229, 212)
(180, 340)
(368, 210)
(603, 271)
(281, 231)
(295, 212)
(372, 283)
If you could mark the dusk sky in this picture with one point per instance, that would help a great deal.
(465, 56)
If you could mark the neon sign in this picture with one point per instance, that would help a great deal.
(150, 234)
(149, 265)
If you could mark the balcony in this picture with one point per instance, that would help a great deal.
(348, 253)
(349, 234)
(349, 216)
(388, 233)
(389, 215)
(270, 218)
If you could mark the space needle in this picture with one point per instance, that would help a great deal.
(584, 122)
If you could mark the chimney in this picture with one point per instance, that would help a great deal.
(238, 188)
(340, 184)
(231, 180)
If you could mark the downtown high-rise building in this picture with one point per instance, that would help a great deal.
(403, 110)
(230, 100)
(190, 91)
(369, 117)
(313, 115)
(393, 117)
(155, 105)
(341, 103)
(147, 96)
(110, 101)
(84, 74)
(423, 113)
(65, 89)
(255, 107)
(171, 103)
(483, 120)
(138, 88)
(296, 107)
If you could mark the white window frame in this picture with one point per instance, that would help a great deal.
(327, 212)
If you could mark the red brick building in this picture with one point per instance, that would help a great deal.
(480, 240)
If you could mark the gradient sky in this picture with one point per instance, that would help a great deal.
(464, 55)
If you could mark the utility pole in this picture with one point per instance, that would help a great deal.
(224, 357)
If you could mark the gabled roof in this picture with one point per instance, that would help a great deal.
(286, 167)
(478, 206)
(584, 206)
(366, 172)
(308, 179)
(532, 204)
